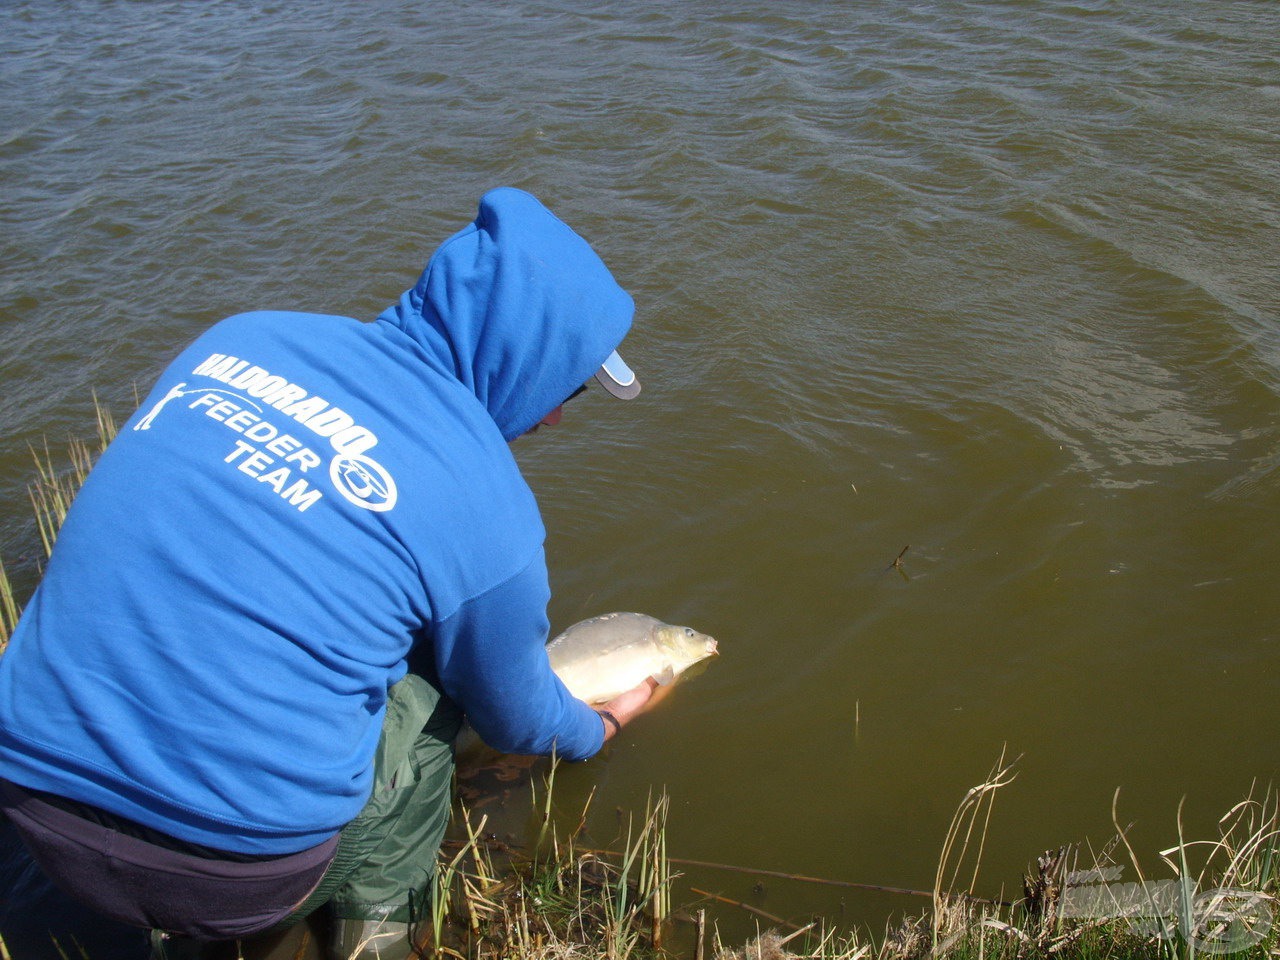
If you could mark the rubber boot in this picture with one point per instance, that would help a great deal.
(372, 940)
(302, 941)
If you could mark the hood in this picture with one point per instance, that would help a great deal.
(519, 307)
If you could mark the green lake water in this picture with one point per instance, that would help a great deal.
(993, 280)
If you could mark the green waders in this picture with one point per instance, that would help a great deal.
(386, 857)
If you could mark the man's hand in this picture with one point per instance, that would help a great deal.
(625, 707)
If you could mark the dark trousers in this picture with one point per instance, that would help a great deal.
(380, 866)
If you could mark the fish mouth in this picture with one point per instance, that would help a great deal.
(712, 647)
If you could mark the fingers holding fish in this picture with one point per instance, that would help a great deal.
(630, 704)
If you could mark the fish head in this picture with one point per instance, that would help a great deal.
(684, 646)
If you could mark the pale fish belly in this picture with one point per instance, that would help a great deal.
(600, 676)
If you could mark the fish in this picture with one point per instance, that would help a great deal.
(600, 658)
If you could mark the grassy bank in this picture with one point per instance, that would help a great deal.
(565, 896)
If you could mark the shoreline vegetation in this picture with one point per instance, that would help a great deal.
(561, 899)
(565, 899)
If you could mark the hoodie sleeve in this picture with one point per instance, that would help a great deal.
(491, 657)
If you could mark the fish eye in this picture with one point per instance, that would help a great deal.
(688, 631)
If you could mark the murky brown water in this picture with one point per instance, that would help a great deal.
(993, 280)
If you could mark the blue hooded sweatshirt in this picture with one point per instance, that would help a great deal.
(300, 501)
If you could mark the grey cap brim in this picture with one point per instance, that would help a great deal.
(619, 379)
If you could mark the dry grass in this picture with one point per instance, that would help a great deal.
(560, 900)
(9, 611)
(56, 486)
(51, 493)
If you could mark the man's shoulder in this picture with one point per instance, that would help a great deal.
(474, 531)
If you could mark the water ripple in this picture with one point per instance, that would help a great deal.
(1006, 270)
